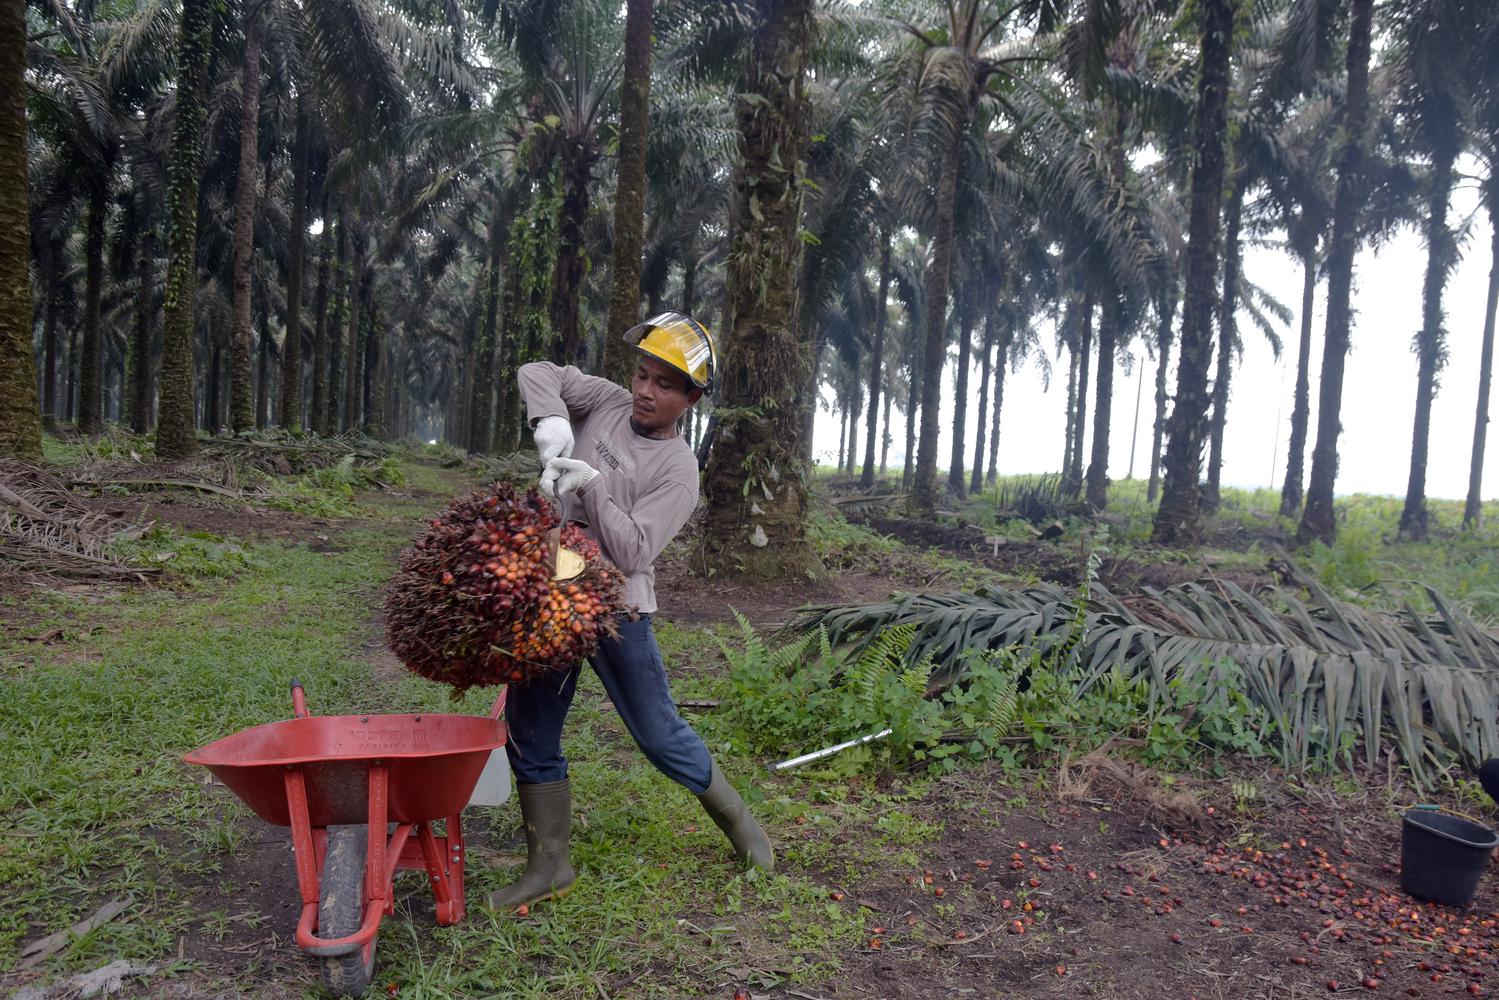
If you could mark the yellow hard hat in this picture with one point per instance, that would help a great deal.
(681, 342)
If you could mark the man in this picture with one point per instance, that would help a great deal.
(615, 460)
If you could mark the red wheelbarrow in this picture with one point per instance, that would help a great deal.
(338, 781)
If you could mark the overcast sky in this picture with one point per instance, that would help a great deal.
(1378, 394)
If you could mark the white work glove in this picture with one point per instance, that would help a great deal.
(554, 438)
(566, 475)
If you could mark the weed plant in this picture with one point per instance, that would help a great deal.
(1010, 705)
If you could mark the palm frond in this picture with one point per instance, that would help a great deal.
(1330, 675)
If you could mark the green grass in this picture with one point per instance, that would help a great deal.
(99, 805)
(92, 781)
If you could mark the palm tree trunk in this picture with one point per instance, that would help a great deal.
(1431, 346)
(89, 395)
(1317, 517)
(20, 418)
(934, 354)
(1074, 480)
(992, 476)
(353, 356)
(241, 402)
(1108, 327)
(980, 423)
(1290, 490)
(481, 404)
(373, 372)
(843, 426)
(1227, 338)
(756, 485)
(877, 362)
(212, 410)
(1176, 519)
(510, 350)
(138, 410)
(176, 436)
(886, 437)
(1163, 350)
(291, 346)
(1098, 465)
(856, 403)
(1473, 508)
(70, 404)
(567, 278)
(339, 289)
(955, 480)
(263, 385)
(51, 346)
(1071, 411)
(317, 415)
(629, 193)
(913, 400)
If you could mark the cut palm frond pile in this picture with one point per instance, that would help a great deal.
(280, 454)
(876, 501)
(519, 468)
(1331, 676)
(242, 469)
(217, 477)
(45, 529)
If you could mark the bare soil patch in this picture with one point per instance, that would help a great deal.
(1301, 899)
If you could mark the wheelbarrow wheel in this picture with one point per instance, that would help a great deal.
(341, 908)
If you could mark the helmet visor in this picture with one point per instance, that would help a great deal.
(679, 341)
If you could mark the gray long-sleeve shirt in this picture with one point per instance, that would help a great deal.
(646, 489)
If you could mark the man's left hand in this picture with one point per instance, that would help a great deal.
(566, 475)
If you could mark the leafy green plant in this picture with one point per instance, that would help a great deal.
(186, 554)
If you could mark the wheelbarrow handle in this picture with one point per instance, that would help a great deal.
(298, 699)
(498, 708)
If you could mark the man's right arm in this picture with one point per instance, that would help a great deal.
(555, 391)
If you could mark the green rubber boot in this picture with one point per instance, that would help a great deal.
(546, 810)
(733, 817)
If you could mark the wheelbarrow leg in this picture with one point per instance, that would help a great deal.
(456, 859)
(447, 890)
(302, 846)
(377, 880)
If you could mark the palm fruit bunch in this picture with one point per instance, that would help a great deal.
(566, 625)
(475, 602)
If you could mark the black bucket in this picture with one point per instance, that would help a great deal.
(1442, 856)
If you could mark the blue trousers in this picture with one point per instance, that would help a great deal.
(634, 676)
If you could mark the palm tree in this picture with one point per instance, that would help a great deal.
(290, 415)
(1487, 136)
(1473, 507)
(76, 111)
(570, 53)
(1176, 518)
(1303, 206)
(1317, 516)
(629, 188)
(20, 417)
(961, 64)
(1434, 41)
(755, 485)
(241, 400)
(175, 433)
(877, 359)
